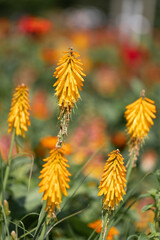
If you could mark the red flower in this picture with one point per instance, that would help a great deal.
(133, 55)
(34, 25)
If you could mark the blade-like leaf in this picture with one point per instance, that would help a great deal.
(62, 220)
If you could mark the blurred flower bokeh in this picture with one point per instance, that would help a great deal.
(117, 67)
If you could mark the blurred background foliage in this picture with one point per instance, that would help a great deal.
(38, 6)
(118, 65)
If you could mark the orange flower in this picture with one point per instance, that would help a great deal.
(19, 112)
(97, 225)
(106, 80)
(113, 181)
(139, 116)
(144, 218)
(39, 105)
(49, 55)
(80, 40)
(87, 138)
(51, 141)
(119, 139)
(112, 232)
(69, 80)
(95, 167)
(55, 178)
(5, 26)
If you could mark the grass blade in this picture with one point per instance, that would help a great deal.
(62, 220)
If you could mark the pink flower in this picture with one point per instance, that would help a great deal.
(5, 142)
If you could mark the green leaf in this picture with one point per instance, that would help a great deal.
(145, 195)
(153, 192)
(147, 207)
(33, 200)
(143, 236)
(29, 200)
(63, 219)
(5, 220)
(130, 237)
(157, 174)
(152, 227)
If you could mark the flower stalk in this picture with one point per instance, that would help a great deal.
(11, 146)
(43, 231)
(63, 130)
(54, 175)
(130, 166)
(8, 162)
(104, 226)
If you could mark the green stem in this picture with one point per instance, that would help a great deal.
(9, 161)
(1, 228)
(41, 220)
(11, 146)
(43, 231)
(62, 220)
(5, 221)
(63, 130)
(6, 179)
(104, 227)
(131, 160)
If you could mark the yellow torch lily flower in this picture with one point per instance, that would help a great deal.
(19, 112)
(139, 115)
(55, 178)
(69, 80)
(113, 180)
